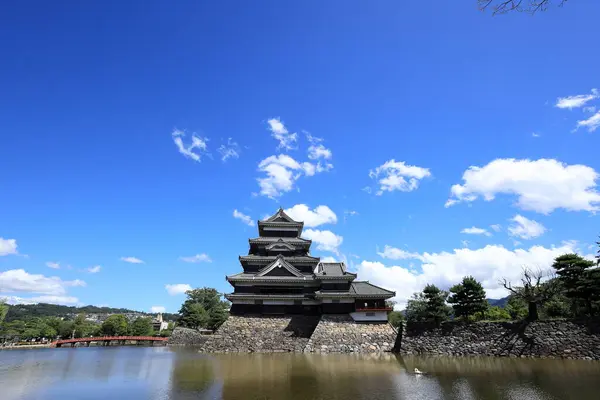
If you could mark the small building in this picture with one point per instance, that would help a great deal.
(281, 277)
(158, 324)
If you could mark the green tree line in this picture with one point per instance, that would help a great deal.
(203, 308)
(25, 311)
(570, 290)
(53, 327)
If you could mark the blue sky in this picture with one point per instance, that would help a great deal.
(414, 123)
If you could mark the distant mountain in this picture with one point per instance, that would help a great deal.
(25, 311)
(498, 302)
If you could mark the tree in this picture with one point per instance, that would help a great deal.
(468, 298)
(3, 310)
(194, 315)
(208, 297)
(216, 317)
(395, 318)
(598, 254)
(496, 313)
(203, 308)
(415, 308)
(84, 328)
(578, 284)
(47, 331)
(530, 6)
(557, 308)
(516, 307)
(142, 327)
(588, 289)
(115, 325)
(532, 291)
(436, 309)
(570, 269)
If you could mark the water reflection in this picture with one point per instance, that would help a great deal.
(300, 376)
(174, 374)
(510, 378)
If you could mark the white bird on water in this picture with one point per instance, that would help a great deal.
(417, 371)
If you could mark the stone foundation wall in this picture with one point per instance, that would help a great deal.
(340, 334)
(555, 339)
(262, 334)
(186, 337)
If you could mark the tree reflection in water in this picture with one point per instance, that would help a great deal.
(509, 378)
(192, 375)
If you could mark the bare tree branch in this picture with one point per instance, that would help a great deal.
(507, 285)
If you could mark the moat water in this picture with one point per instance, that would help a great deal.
(170, 374)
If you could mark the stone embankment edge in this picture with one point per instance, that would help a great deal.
(563, 339)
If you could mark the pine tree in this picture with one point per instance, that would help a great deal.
(468, 298)
(570, 268)
(574, 274)
(415, 308)
(588, 289)
(436, 309)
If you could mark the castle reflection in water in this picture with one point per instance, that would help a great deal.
(173, 374)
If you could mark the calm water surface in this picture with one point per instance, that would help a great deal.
(165, 373)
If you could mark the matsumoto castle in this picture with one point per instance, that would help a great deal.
(281, 277)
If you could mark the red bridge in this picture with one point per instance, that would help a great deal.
(106, 340)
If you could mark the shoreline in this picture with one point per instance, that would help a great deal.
(26, 346)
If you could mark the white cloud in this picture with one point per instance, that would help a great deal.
(132, 260)
(230, 150)
(394, 253)
(318, 151)
(282, 172)
(53, 265)
(476, 231)
(194, 150)
(488, 265)
(320, 215)
(66, 300)
(157, 309)
(325, 240)
(281, 134)
(525, 228)
(590, 109)
(198, 258)
(592, 123)
(7, 246)
(396, 175)
(243, 217)
(576, 101)
(536, 135)
(177, 288)
(496, 227)
(328, 259)
(18, 280)
(542, 185)
(94, 270)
